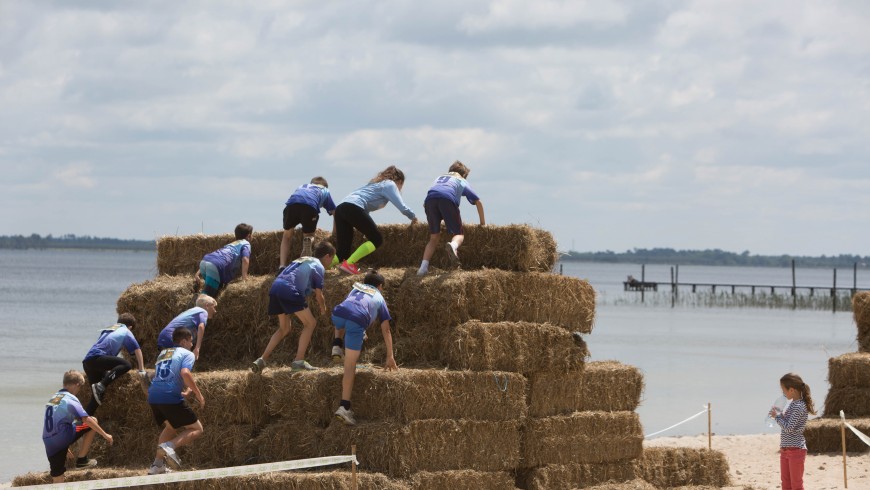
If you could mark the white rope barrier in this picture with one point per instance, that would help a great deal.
(702, 412)
(178, 476)
(864, 438)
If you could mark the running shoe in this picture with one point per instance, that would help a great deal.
(351, 269)
(302, 366)
(451, 253)
(258, 366)
(345, 416)
(337, 354)
(86, 464)
(171, 457)
(98, 390)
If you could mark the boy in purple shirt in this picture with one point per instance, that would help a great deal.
(193, 319)
(226, 263)
(173, 381)
(65, 422)
(303, 207)
(442, 203)
(103, 365)
(351, 317)
(287, 297)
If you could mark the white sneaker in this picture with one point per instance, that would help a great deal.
(306, 246)
(158, 470)
(301, 366)
(345, 416)
(422, 272)
(337, 354)
(171, 457)
(258, 366)
(451, 253)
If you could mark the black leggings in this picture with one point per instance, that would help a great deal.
(104, 369)
(347, 217)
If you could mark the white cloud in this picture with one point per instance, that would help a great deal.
(512, 14)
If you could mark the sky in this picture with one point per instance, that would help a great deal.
(739, 125)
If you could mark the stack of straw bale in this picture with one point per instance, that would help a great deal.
(861, 312)
(512, 247)
(680, 467)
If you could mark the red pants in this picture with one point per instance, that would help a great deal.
(791, 466)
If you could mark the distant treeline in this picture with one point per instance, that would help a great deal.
(73, 241)
(714, 257)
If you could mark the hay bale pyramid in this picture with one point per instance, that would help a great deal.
(849, 377)
(494, 389)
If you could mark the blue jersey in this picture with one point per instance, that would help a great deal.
(63, 415)
(167, 385)
(228, 259)
(111, 340)
(304, 275)
(313, 195)
(372, 197)
(452, 187)
(189, 319)
(363, 305)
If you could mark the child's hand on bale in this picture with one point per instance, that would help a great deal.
(390, 365)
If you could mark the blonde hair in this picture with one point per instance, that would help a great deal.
(73, 377)
(792, 380)
(204, 300)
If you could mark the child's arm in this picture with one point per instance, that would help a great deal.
(318, 294)
(92, 423)
(480, 212)
(246, 262)
(139, 360)
(390, 365)
(200, 333)
(190, 383)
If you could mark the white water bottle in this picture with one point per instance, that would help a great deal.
(779, 406)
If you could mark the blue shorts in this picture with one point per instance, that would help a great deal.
(353, 332)
(284, 298)
(438, 209)
(212, 277)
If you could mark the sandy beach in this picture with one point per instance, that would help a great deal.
(754, 461)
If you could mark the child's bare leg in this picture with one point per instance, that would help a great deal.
(350, 358)
(167, 434)
(284, 327)
(187, 434)
(308, 324)
(429, 251)
(85, 445)
(457, 241)
(285, 247)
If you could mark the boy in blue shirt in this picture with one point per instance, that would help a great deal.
(173, 381)
(65, 422)
(223, 265)
(287, 297)
(442, 203)
(303, 207)
(351, 317)
(193, 319)
(102, 364)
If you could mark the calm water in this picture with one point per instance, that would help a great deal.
(52, 304)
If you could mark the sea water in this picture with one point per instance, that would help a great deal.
(53, 304)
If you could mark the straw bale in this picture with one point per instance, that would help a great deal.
(850, 370)
(823, 435)
(578, 475)
(861, 313)
(637, 484)
(496, 296)
(235, 397)
(401, 396)
(125, 404)
(855, 402)
(514, 346)
(461, 480)
(299, 480)
(678, 466)
(512, 247)
(583, 437)
(427, 445)
(155, 303)
(604, 385)
(288, 440)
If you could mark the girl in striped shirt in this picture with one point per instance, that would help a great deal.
(793, 446)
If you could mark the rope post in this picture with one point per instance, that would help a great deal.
(843, 437)
(709, 428)
(353, 484)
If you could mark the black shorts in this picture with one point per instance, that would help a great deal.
(57, 461)
(179, 415)
(438, 209)
(296, 213)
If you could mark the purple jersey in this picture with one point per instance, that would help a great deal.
(228, 259)
(111, 340)
(189, 319)
(304, 274)
(363, 305)
(63, 414)
(167, 385)
(313, 195)
(452, 187)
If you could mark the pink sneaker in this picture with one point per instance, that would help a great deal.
(348, 268)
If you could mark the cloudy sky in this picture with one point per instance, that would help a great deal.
(740, 125)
